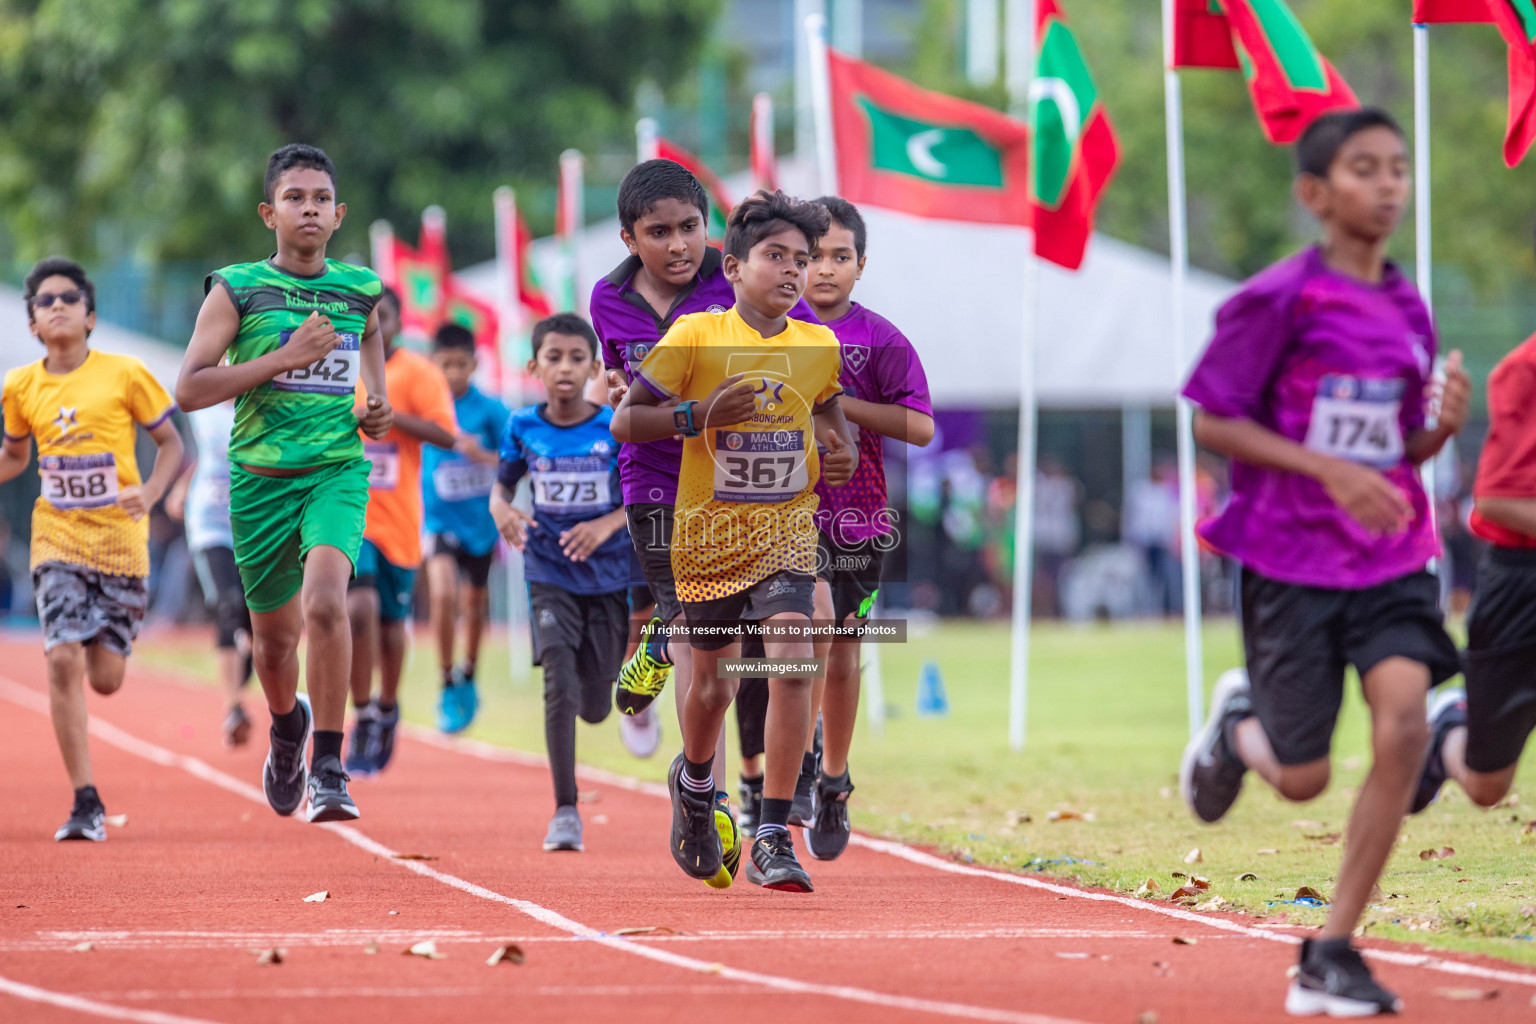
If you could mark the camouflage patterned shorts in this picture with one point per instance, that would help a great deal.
(81, 605)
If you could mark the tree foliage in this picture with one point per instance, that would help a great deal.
(142, 127)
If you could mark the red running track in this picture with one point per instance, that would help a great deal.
(203, 873)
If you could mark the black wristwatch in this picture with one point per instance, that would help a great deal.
(682, 419)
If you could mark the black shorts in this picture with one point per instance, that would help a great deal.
(476, 569)
(853, 572)
(650, 530)
(1298, 641)
(223, 592)
(595, 626)
(1501, 659)
(779, 594)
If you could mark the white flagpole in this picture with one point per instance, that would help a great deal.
(765, 172)
(1178, 257)
(821, 103)
(1423, 264)
(572, 185)
(509, 318)
(1019, 47)
(646, 134)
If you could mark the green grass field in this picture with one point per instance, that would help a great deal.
(1107, 724)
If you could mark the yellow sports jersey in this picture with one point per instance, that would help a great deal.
(83, 422)
(746, 500)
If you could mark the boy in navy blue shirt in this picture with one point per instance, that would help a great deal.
(575, 547)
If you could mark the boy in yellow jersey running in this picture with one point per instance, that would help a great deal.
(90, 534)
(379, 599)
(755, 391)
(299, 330)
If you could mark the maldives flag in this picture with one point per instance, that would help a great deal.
(720, 205)
(1451, 12)
(1517, 24)
(1290, 81)
(470, 311)
(528, 288)
(420, 278)
(1075, 151)
(905, 148)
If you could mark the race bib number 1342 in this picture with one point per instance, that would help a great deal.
(333, 374)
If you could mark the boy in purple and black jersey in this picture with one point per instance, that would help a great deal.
(1316, 385)
(885, 394)
(670, 272)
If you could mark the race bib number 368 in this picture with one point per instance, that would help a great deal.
(760, 465)
(333, 374)
(1357, 419)
(79, 481)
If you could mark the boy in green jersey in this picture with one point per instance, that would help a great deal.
(298, 330)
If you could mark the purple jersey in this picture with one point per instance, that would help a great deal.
(880, 366)
(629, 328)
(1340, 366)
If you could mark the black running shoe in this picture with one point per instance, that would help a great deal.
(1336, 983)
(384, 738)
(751, 793)
(87, 818)
(827, 835)
(1211, 775)
(237, 727)
(773, 864)
(1447, 710)
(800, 807)
(328, 796)
(695, 842)
(361, 743)
(284, 775)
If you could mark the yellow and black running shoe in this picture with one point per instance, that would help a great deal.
(643, 677)
(730, 844)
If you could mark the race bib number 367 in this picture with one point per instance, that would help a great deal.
(760, 465)
(333, 374)
(79, 481)
(1356, 418)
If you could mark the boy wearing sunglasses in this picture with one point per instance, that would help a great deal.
(90, 531)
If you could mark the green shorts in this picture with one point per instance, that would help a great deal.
(276, 520)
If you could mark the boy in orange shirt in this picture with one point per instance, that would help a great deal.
(379, 597)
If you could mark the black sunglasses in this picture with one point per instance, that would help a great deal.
(69, 298)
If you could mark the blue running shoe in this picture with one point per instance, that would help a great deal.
(384, 738)
(360, 746)
(457, 704)
(285, 775)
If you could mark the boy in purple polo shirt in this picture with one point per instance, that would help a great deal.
(1316, 385)
(885, 394)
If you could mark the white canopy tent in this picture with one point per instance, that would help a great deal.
(18, 347)
(1106, 339)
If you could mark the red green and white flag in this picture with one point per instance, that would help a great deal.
(529, 289)
(1291, 83)
(720, 204)
(1451, 12)
(1517, 24)
(904, 148)
(1075, 151)
(420, 275)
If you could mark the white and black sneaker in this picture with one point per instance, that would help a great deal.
(1211, 773)
(284, 775)
(1333, 979)
(328, 796)
(1447, 710)
(773, 864)
(87, 818)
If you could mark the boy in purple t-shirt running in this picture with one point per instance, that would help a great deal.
(885, 394)
(1316, 385)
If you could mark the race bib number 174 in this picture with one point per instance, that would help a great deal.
(1357, 418)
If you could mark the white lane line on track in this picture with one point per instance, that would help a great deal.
(64, 1001)
(490, 752)
(118, 941)
(29, 698)
(441, 992)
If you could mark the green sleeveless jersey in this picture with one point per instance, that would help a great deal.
(301, 417)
